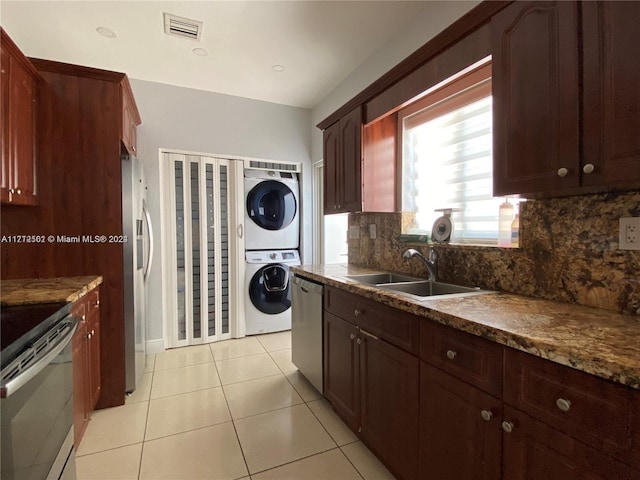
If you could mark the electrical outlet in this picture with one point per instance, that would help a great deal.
(372, 231)
(354, 232)
(629, 233)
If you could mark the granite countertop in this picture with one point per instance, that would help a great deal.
(30, 291)
(595, 341)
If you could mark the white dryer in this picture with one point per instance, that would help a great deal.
(272, 210)
(268, 290)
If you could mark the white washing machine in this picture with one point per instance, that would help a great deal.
(268, 290)
(272, 210)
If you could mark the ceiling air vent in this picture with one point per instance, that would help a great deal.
(182, 27)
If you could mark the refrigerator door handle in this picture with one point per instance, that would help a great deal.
(147, 218)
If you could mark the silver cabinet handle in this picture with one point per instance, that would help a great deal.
(97, 303)
(18, 191)
(89, 335)
(357, 312)
(84, 317)
(588, 168)
(12, 191)
(358, 341)
(364, 332)
(563, 405)
(507, 426)
(562, 172)
(486, 415)
(352, 336)
(451, 354)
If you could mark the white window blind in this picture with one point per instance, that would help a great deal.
(447, 158)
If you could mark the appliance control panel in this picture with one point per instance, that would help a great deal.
(272, 256)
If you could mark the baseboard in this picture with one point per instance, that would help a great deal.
(155, 346)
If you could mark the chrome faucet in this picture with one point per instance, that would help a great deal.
(430, 263)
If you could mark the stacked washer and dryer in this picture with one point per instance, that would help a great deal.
(272, 238)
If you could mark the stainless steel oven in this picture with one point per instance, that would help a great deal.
(36, 392)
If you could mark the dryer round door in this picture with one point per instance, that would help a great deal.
(271, 205)
(269, 289)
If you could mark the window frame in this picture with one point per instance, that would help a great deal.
(467, 86)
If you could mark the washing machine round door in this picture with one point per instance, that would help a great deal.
(269, 289)
(271, 205)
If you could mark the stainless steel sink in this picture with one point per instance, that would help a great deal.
(425, 289)
(382, 278)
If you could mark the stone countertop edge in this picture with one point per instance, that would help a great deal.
(595, 341)
(29, 291)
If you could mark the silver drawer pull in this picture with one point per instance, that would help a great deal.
(358, 341)
(486, 415)
(507, 426)
(357, 312)
(563, 405)
(352, 336)
(451, 354)
(364, 332)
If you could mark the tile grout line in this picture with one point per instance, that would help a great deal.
(233, 423)
(146, 422)
(299, 460)
(241, 356)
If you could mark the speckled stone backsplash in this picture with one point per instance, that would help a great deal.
(569, 253)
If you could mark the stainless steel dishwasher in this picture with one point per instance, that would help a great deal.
(306, 329)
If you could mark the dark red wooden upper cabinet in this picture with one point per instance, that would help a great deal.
(536, 97)
(611, 105)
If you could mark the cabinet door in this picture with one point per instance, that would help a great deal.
(611, 107)
(350, 180)
(4, 118)
(460, 431)
(80, 380)
(535, 98)
(389, 396)
(129, 133)
(22, 128)
(331, 147)
(93, 355)
(533, 450)
(341, 369)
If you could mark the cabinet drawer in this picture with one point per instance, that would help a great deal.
(470, 358)
(394, 326)
(595, 411)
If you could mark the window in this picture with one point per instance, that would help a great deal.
(447, 156)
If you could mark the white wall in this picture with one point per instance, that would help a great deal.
(434, 18)
(195, 120)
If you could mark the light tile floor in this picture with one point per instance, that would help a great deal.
(236, 409)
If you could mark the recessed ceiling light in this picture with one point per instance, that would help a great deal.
(106, 32)
(277, 68)
(201, 52)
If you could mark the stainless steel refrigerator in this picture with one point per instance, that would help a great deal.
(138, 255)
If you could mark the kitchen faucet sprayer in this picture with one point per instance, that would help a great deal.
(430, 263)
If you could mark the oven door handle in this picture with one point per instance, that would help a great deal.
(46, 357)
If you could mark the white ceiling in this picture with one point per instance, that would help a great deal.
(318, 42)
